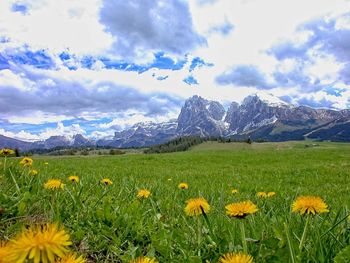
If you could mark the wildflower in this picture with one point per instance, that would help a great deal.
(74, 179)
(234, 191)
(46, 163)
(143, 193)
(241, 209)
(33, 172)
(309, 205)
(71, 258)
(42, 244)
(26, 161)
(5, 252)
(54, 184)
(144, 260)
(236, 258)
(271, 194)
(6, 152)
(106, 181)
(183, 186)
(169, 179)
(261, 194)
(197, 206)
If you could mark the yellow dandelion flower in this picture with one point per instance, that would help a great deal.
(41, 244)
(46, 163)
(196, 206)
(6, 152)
(241, 209)
(183, 186)
(234, 191)
(54, 184)
(106, 181)
(5, 252)
(309, 205)
(71, 258)
(143, 193)
(33, 172)
(261, 194)
(26, 161)
(271, 194)
(144, 260)
(236, 258)
(74, 178)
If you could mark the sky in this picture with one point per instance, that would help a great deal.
(93, 67)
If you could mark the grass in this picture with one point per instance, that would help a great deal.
(110, 224)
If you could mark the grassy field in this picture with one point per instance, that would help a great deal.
(111, 224)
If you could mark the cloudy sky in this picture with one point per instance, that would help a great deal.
(95, 66)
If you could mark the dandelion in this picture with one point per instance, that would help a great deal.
(106, 181)
(261, 194)
(234, 191)
(197, 206)
(144, 260)
(236, 258)
(183, 186)
(271, 194)
(42, 244)
(6, 152)
(33, 172)
(71, 258)
(46, 163)
(143, 193)
(74, 179)
(309, 205)
(5, 252)
(54, 184)
(241, 209)
(26, 161)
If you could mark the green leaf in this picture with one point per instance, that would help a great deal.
(343, 256)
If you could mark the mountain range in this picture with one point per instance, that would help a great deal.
(260, 118)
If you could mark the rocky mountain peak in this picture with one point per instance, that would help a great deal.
(79, 140)
(201, 117)
(264, 98)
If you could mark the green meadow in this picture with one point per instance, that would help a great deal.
(109, 223)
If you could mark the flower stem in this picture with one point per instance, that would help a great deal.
(15, 182)
(290, 246)
(244, 240)
(303, 237)
(5, 164)
(199, 235)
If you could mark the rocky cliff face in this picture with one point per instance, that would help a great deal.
(80, 141)
(201, 117)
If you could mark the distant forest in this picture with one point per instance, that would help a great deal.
(184, 143)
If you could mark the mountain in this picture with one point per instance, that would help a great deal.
(52, 142)
(201, 117)
(80, 141)
(142, 135)
(262, 117)
(6, 142)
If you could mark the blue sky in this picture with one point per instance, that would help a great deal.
(97, 66)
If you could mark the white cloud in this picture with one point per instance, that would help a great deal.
(22, 135)
(57, 25)
(130, 118)
(68, 131)
(141, 27)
